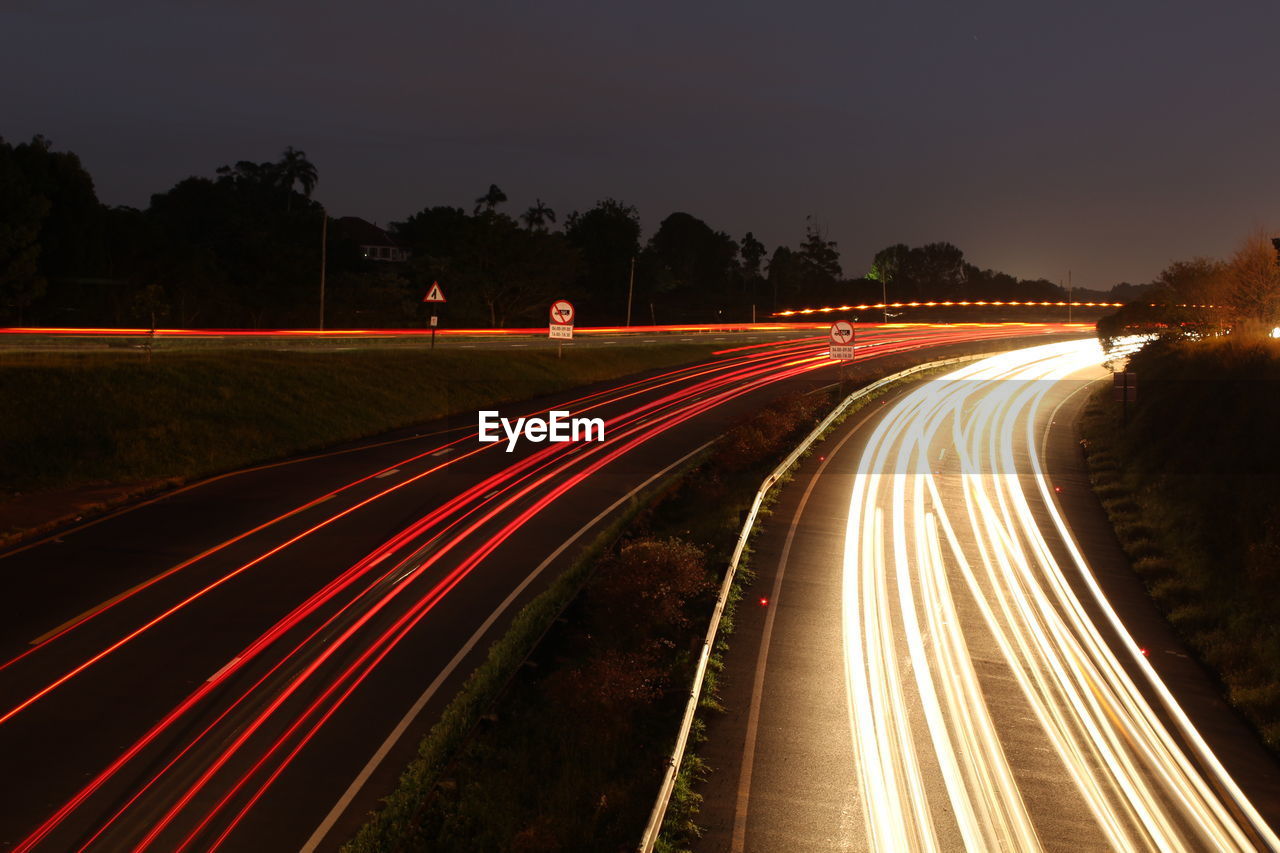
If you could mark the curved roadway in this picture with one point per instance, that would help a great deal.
(248, 664)
(940, 668)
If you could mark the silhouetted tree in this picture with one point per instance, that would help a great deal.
(819, 264)
(489, 201)
(537, 216)
(293, 169)
(698, 263)
(784, 277)
(607, 236)
(753, 253)
(22, 215)
(1253, 283)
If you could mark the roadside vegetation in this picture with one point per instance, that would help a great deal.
(1192, 486)
(239, 247)
(78, 420)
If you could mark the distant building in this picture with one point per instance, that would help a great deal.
(374, 243)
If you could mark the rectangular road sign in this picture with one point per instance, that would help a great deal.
(562, 332)
(843, 353)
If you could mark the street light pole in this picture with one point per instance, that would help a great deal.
(1068, 296)
(884, 299)
(631, 285)
(324, 243)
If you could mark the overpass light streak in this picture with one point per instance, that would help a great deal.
(974, 673)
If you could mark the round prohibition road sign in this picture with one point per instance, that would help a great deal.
(842, 332)
(562, 312)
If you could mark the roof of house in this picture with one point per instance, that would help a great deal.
(363, 233)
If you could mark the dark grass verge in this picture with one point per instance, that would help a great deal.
(1204, 536)
(81, 420)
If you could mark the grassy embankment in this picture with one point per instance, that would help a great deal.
(1192, 486)
(611, 647)
(72, 420)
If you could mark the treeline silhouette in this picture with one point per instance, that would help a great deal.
(242, 248)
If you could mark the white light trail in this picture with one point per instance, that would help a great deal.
(974, 672)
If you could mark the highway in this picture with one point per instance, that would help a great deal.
(248, 664)
(933, 663)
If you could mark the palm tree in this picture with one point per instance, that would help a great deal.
(295, 168)
(491, 199)
(537, 217)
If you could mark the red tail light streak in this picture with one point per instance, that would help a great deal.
(259, 712)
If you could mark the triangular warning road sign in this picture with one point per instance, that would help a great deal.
(435, 294)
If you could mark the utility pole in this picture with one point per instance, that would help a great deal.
(884, 298)
(631, 284)
(324, 243)
(1068, 296)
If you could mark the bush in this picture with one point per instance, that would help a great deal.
(1153, 568)
(645, 587)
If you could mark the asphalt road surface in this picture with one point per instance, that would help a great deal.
(954, 655)
(248, 664)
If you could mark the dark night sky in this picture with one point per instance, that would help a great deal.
(1104, 137)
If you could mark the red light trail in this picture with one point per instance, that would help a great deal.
(372, 613)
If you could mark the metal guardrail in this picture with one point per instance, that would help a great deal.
(654, 828)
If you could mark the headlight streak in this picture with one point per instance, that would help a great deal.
(506, 492)
(1141, 788)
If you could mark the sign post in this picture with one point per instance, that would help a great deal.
(842, 340)
(434, 295)
(561, 328)
(1125, 389)
(841, 336)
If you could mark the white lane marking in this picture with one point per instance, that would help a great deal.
(389, 473)
(443, 452)
(738, 842)
(363, 776)
(226, 666)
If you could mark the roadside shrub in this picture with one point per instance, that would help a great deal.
(1193, 617)
(1134, 531)
(646, 586)
(1139, 549)
(608, 689)
(1125, 506)
(1173, 591)
(1153, 568)
(768, 432)
(1110, 490)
